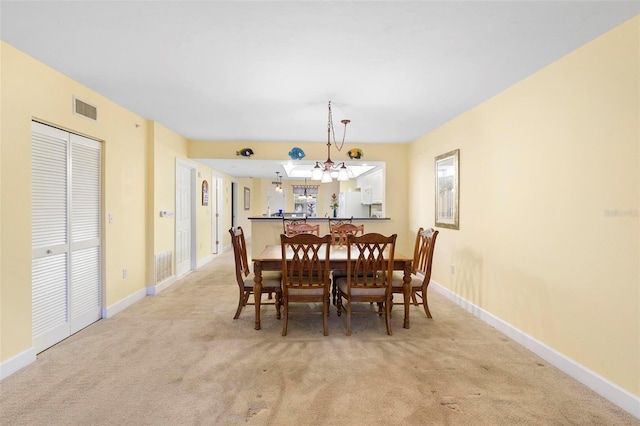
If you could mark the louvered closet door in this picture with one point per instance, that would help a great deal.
(85, 283)
(66, 285)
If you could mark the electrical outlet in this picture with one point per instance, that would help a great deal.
(124, 273)
(453, 269)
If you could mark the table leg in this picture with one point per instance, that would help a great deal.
(406, 288)
(257, 290)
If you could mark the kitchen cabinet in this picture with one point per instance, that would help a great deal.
(377, 188)
(366, 195)
(372, 188)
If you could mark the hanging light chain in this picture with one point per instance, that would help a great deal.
(332, 131)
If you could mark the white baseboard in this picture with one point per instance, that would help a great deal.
(204, 261)
(17, 362)
(122, 304)
(597, 383)
(155, 289)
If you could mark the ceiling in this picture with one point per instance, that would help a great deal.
(264, 71)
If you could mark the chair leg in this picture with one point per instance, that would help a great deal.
(413, 296)
(425, 303)
(325, 319)
(242, 301)
(285, 323)
(387, 317)
(348, 317)
(278, 303)
(328, 303)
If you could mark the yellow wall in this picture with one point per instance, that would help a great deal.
(542, 166)
(138, 178)
(31, 90)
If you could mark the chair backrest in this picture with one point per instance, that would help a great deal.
(340, 232)
(240, 254)
(370, 261)
(303, 261)
(302, 228)
(423, 251)
(292, 221)
(335, 221)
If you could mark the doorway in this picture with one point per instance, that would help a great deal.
(185, 238)
(234, 204)
(216, 213)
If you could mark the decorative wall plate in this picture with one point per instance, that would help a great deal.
(296, 154)
(355, 153)
(245, 152)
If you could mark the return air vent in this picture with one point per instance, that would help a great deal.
(85, 109)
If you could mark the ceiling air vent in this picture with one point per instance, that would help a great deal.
(85, 109)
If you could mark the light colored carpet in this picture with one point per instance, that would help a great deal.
(179, 358)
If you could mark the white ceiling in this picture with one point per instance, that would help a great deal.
(264, 71)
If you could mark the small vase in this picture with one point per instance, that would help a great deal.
(335, 212)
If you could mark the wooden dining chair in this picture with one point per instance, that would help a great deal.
(292, 221)
(302, 228)
(338, 221)
(422, 262)
(339, 235)
(271, 281)
(340, 232)
(305, 274)
(369, 276)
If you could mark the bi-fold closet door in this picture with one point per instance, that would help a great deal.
(66, 228)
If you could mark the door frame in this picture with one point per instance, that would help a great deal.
(193, 252)
(234, 204)
(217, 214)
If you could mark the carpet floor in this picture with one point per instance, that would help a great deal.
(178, 358)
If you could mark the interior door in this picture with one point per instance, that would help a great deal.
(183, 219)
(215, 213)
(234, 204)
(66, 222)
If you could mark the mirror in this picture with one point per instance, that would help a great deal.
(447, 194)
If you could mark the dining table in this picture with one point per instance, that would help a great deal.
(270, 259)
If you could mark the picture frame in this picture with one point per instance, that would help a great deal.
(205, 193)
(447, 191)
(247, 198)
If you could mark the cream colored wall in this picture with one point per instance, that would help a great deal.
(31, 90)
(168, 147)
(544, 166)
(395, 156)
(204, 249)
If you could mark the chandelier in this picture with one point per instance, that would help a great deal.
(304, 195)
(278, 182)
(322, 171)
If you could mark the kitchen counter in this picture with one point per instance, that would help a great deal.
(267, 230)
(317, 219)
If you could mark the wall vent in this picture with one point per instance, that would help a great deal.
(85, 109)
(163, 266)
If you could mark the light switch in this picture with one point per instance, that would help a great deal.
(111, 218)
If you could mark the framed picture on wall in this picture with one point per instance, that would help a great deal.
(247, 198)
(205, 193)
(447, 189)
